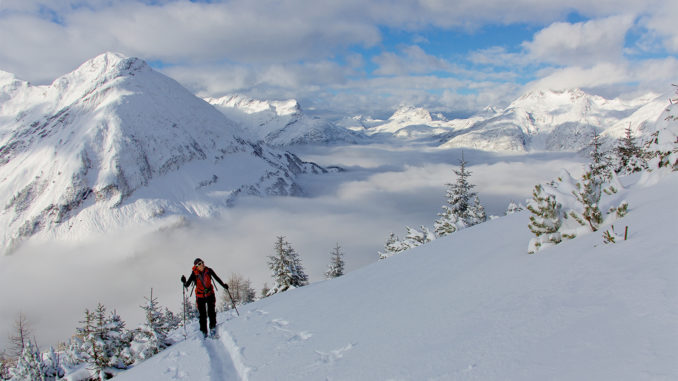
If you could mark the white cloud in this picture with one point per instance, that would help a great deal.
(577, 77)
(662, 22)
(582, 44)
(411, 60)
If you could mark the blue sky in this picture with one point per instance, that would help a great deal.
(357, 56)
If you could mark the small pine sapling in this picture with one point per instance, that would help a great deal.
(545, 220)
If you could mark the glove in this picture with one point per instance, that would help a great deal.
(183, 280)
(226, 286)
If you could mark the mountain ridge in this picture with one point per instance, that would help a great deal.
(101, 133)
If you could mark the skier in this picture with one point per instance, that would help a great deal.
(204, 293)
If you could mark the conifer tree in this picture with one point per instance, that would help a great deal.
(545, 220)
(416, 237)
(336, 267)
(5, 365)
(286, 268)
(513, 207)
(588, 194)
(463, 207)
(52, 368)
(151, 337)
(393, 246)
(118, 340)
(630, 157)
(600, 160)
(29, 365)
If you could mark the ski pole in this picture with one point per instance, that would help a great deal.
(232, 302)
(183, 302)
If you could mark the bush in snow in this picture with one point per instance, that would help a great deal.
(463, 206)
(336, 266)
(286, 268)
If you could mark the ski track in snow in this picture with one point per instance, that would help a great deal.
(222, 367)
(234, 354)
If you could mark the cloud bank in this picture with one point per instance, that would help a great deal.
(381, 53)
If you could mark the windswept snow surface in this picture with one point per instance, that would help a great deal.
(471, 306)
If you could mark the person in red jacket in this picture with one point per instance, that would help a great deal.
(205, 297)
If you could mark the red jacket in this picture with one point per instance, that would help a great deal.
(203, 281)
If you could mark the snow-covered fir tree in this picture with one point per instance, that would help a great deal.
(92, 345)
(514, 207)
(151, 337)
(393, 246)
(545, 219)
(588, 194)
(336, 266)
(118, 340)
(104, 344)
(51, 365)
(73, 355)
(418, 237)
(630, 157)
(5, 365)
(463, 207)
(600, 166)
(29, 365)
(286, 268)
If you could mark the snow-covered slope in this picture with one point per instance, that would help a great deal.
(472, 305)
(115, 143)
(281, 123)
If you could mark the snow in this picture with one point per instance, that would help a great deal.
(281, 123)
(468, 307)
(114, 140)
(473, 305)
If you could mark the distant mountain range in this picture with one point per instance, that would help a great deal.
(537, 121)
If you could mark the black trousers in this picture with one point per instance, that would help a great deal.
(206, 307)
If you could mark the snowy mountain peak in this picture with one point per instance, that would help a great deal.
(280, 123)
(117, 143)
(250, 105)
(411, 114)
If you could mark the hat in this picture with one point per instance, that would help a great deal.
(197, 260)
